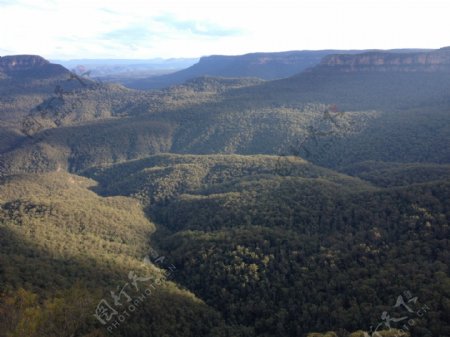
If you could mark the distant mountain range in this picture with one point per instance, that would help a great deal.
(122, 70)
(267, 66)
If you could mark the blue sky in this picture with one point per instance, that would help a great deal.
(68, 29)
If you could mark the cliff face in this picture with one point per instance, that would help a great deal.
(30, 65)
(292, 58)
(21, 62)
(438, 60)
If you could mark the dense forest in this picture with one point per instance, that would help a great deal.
(254, 234)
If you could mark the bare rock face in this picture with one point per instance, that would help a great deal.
(437, 60)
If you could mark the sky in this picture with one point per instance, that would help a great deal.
(135, 29)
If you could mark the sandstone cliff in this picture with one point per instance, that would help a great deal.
(437, 60)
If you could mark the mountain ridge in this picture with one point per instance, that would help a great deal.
(30, 65)
(25, 81)
(436, 60)
(267, 66)
(21, 61)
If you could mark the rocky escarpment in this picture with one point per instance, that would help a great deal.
(30, 65)
(437, 60)
(21, 62)
(28, 80)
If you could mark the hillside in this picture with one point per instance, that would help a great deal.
(37, 210)
(24, 82)
(95, 101)
(166, 176)
(63, 249)
(397, 174)
(259, 237)
(330, 117)
(264, 220)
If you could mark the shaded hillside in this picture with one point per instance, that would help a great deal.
(190, 130)
(261, 237)
(373, 81)
(25, 80)
(10, 137)
(336, 262)
(98, 101)
(398, 174)
(163, 177)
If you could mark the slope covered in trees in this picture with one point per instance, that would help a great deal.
(330, 117)
(25, 80)
(63, 249)
(286, 248)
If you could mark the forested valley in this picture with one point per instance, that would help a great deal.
(312, 205)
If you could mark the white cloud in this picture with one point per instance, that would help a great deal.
(169, 28)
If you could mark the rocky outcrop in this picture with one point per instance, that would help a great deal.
(437, 60)
(21, 62)
(30, 64)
